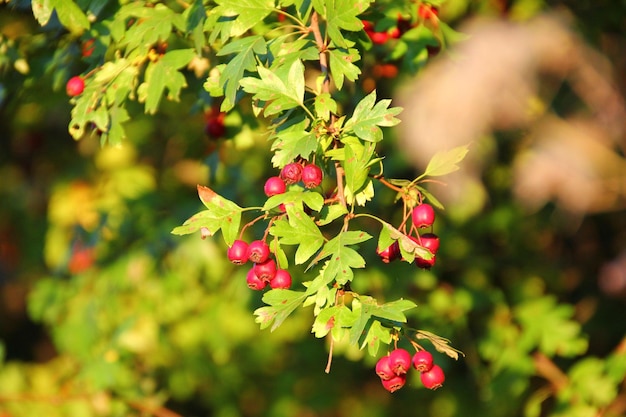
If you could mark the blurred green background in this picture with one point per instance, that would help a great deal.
(104, 313)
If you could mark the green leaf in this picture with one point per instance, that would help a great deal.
(291, 143)
(331, 318)
(161, 75)
(408, 247)
(342, 257)
(281, 90)
(220, 214)
(245, 13)
(356, 163)
(376, 334)
(341, 15)
(369, 115)
(445, 162)
(281, 303)
(332, 212)
(325, 106)
(342, 65)
(549, 326)
(70, 15)
(298, 230)
(296, 198)
(246, 49)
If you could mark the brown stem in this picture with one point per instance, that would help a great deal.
(388, 184)
(323, 51)
(330, 354)
(548, 370)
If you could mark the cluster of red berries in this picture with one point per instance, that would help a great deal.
(423, 216)
(265, 271)
(426, 13)
(392, 369)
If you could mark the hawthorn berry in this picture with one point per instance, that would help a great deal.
(422, 361)
(423, 215)
(390, 253)
(215, 127)
(75, 86)
(400, 361)
(88, 47)
(291, 173)
(379, 38)
(274, 186)
(427, 11)
(258, 251)
(282, 279)
(254, 282)
(395, 383)
(433, 378)
(312, 175)
(383, 368)
(430, 241)
(238, 252)
(425, 263)
(265, 270)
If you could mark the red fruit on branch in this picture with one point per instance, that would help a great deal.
(430, 241)
(383, 368)
(274, 186)
(258, 251)
(238, 252)
(390, 253)
(282, 279)
(75, 86)
(312, 175)
(291, 173)
(400, 361)
(265, 270)
(254, 282)
(395, 383)
(422, 361)
(423, 215)
(433, 378)
(215, 127)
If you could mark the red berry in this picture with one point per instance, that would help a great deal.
(238, 252)
(400, 361)
(311, 176)
(75, 86)
(291, 173)
(367, 25)
(423, 361)
(254, 282)
(423, 215)
(282, 279)
(434, 378)
(395, 383)
(379, 37)
(265, 270)
(383, 369)
(394, 32)
(258, 251)
(426, 11)
(215, 128)
(425, 263)
(88, 47)
(390, 253)
(274, 186)
(430, 241)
